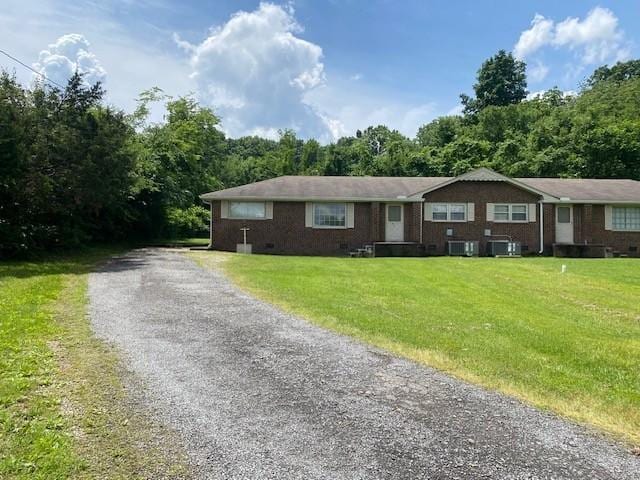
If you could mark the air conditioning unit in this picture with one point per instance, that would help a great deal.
(463, 248)
(503, 248)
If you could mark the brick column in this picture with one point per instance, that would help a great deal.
(577, 224)
(587, 221)
(375, 221)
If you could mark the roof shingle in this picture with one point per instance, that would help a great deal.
(399, 188)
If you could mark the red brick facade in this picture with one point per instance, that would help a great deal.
(286, 233)
(480, 193)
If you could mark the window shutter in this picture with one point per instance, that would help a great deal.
(471, 212)
(308, 217)
(532, 212)
(490, 212)
(224, 209)
(350, 215)
(608, 217)
(268, 210)
(428, 209)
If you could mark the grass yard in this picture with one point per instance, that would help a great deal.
(565, 342)
(63, 408)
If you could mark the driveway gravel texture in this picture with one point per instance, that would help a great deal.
(256, 393)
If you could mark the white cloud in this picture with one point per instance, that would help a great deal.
(457, 110)
(540, 93)
(597, 35)
(357, 106)
(595, 39)
(538, 71)
(540, 34)
(70, 53)
(255, 71)
(135, 59)
(355, 77)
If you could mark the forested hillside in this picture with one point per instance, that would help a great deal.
(74, 170)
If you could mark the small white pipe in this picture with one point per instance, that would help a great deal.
(541, 227)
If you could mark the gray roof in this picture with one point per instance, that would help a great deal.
(412, 188)
(587, 189)
(330, 188)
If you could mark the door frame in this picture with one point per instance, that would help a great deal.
(571, 225)
(387, 238)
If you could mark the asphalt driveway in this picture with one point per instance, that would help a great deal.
(257, 393)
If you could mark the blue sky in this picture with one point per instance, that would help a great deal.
(323, 68)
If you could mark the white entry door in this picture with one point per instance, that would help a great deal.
(394, 229)
(564, 223)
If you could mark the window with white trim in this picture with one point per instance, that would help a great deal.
(508, 212)
(626, 218)
(330, 215)
(449, 212)
(247, 210)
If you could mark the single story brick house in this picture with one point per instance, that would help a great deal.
(479, 212)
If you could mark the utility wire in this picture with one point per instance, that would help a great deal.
(32, 69)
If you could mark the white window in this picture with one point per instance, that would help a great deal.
(247, 210)
(439, 212)
(330, 215)
(626, 218)
(519, 213)
(506, 212)
(457, 212)
(451, 212)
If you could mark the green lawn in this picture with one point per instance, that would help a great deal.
(567, 342)
(63, 409)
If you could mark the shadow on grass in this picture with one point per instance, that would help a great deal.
(56, 263)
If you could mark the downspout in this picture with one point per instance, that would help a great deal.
(210, 225)
(541, 227)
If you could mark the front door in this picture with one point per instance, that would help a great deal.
(564, 223)
(394, 229)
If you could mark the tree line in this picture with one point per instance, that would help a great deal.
(74, 170)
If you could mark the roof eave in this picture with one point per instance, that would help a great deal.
(247, 198)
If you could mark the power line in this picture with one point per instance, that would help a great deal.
(32, 69)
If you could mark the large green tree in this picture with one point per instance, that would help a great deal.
(501, 81)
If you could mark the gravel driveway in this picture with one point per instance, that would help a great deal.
(256, 393)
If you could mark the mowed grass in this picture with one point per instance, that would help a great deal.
(63, 408)
(565, 342)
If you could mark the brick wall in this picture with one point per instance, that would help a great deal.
(481, 193)
(287, 234)
(623, 242)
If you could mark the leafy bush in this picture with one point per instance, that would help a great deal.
(187, 222)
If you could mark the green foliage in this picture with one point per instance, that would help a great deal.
(73, 171)
(187, 222)
(620, 72)
(501, 81)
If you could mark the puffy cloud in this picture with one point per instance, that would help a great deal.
(356, 105)
(597, 35)
(70, 53)
(596, 38)
(255, 71)
(540, 34)
(538, 71)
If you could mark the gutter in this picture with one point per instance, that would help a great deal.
(205, 198)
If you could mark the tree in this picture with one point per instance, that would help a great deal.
(500, 81)
(439, 132)
(620, 72)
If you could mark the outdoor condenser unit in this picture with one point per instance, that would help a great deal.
(503, 248)
(463, 248)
